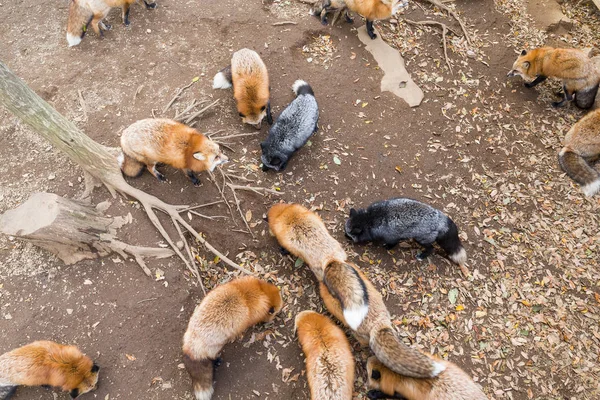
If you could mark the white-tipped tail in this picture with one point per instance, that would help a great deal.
(298, 84)
(438, 368)
(591, 188)
(354, 316)
(459, 257)
(204, 394)
(73, 40)
(121, 159)
(221, 82)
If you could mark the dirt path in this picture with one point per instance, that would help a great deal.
(479, 147)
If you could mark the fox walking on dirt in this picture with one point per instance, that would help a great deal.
(82, 13)
(329, 360)
(148, 142)
(224, 314)
(46, 363)
(580, 73)
(452, 384)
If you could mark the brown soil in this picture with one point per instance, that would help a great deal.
(133, 325)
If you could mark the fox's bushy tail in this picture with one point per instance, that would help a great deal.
(578, 169)
(79, 18)
(450, 242)
(301, 87)
(202, 373)
(400, 358)
(129, 165)
(346, 284)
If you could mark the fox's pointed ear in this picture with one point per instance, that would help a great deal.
(95, 368)
(524, 53)
(74, 393)
(352, 212)
(199, 156)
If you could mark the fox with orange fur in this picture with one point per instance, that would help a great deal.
(452, 384)
(302, 232)
(581, 149)
(346, 291)
(329, 360)
(372, 10)
(223, 315)
(149, 142)
(49, 364)
(82, 13)
(580, 73)
(374, 328)
(248, 75)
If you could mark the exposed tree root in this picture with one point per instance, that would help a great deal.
(445, 29)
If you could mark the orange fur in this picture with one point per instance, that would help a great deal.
(376, 329)
(452, 384)
(329, 360)
(581, 149)
(303, 233)
(223, 315)
(49, 363)
(250, 86)
(580, 73)
(372, 10)
(85, 12)
(152, 141)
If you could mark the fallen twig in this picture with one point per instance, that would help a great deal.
(236, 135)
(445, 29)
(453, 14)
(201, 206)
(145, 300)
(83, 107)
(177, 94)
(198, 113)
(181, 114)
(254, 189)
(284, 23)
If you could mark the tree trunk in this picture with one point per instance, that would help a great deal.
(71, 230)
(94, 158)
(97, 161)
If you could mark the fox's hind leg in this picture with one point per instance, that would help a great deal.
(126, 8)
(155, 172)
(150, 6)
(269, 115)
(349, 19)
(427, 250)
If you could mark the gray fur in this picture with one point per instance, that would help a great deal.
(291, 131)
(392, 221)
(6, 392)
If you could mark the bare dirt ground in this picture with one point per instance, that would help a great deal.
(482, 148)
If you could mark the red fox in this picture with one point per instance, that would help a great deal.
(250, 80)
(84, 12)
(148, 142)
(329, 360)
(372, 10)
(579, 72)
(303, 233)
(582, 147)
(223, 315)
(47, 363)
(376, 328)
(452, 384)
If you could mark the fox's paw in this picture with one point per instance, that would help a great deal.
(150, 6)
